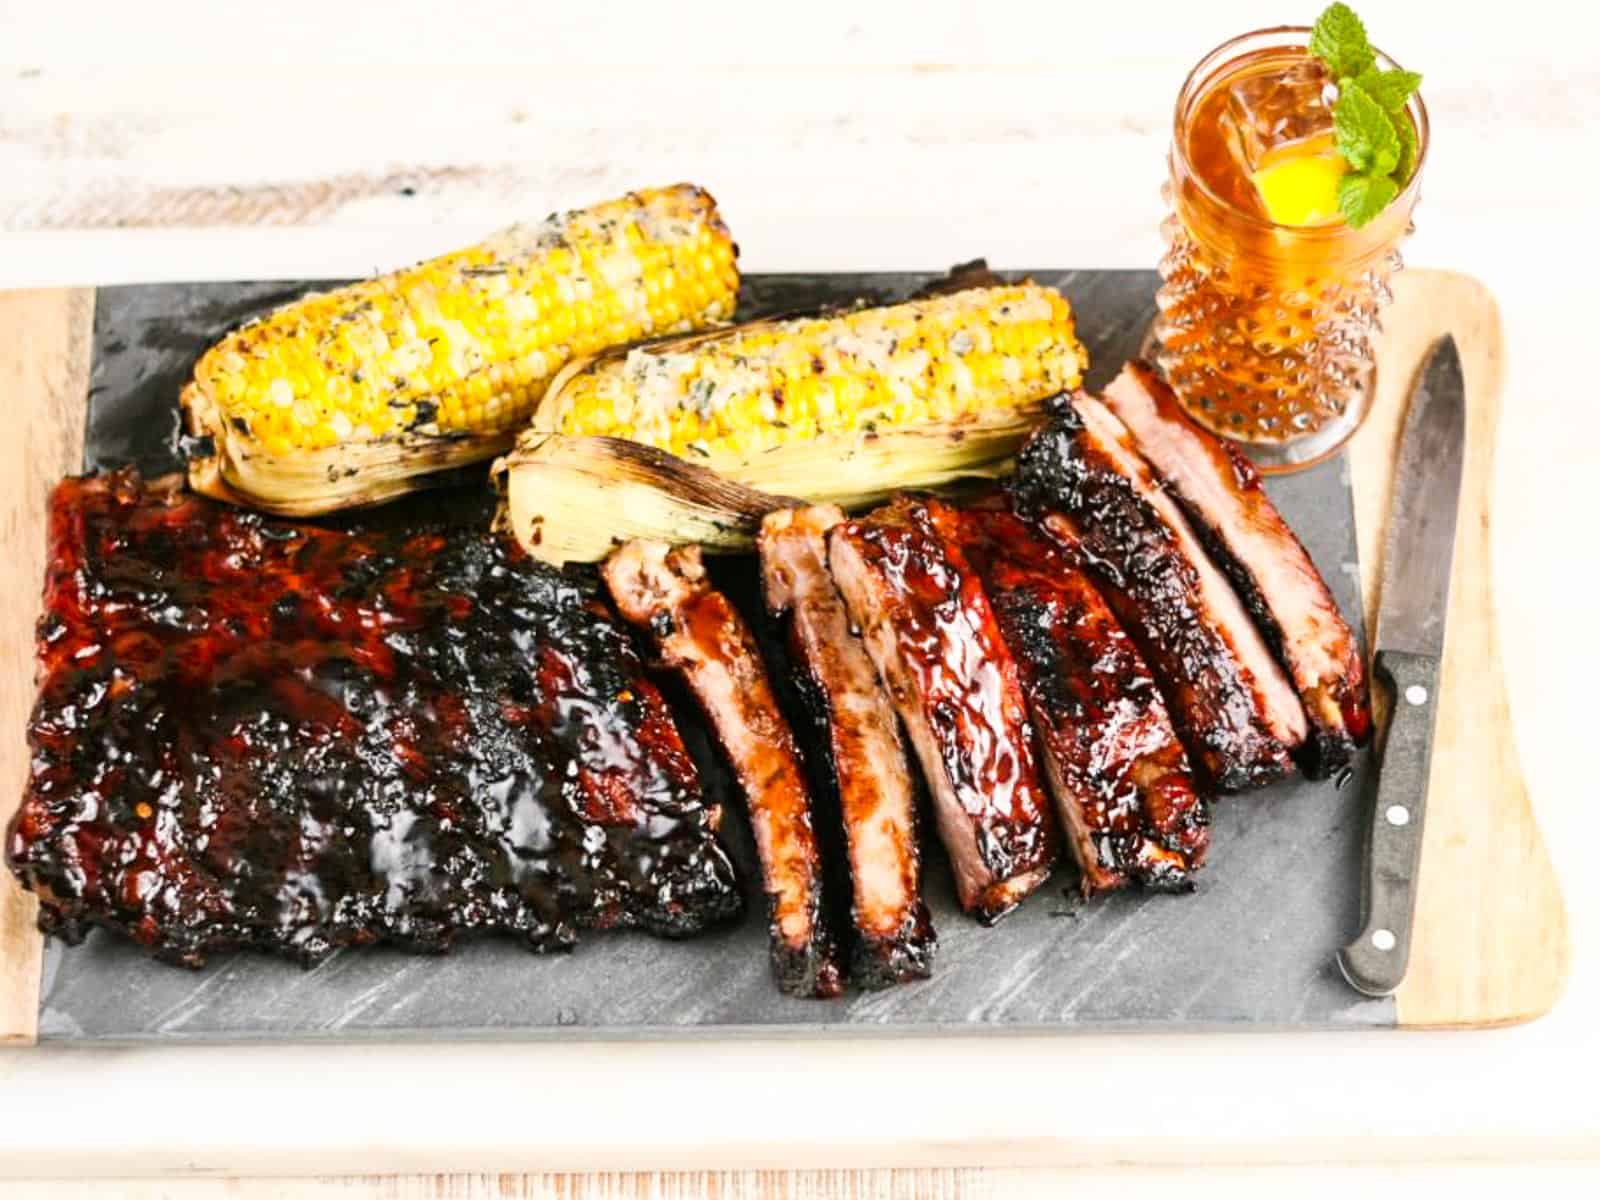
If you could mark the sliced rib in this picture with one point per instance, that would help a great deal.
(932, 636)
(1221, 494)
(1233, 708)
(699, 634)
(1120, 778)
(877, 802)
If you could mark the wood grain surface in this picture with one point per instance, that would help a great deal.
(44, 376)
(949, 1184)
(1490, 944)
(1553, 1177)
(688, 1185)
(1491, 938)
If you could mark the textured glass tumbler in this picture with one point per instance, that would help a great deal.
(1265, 331)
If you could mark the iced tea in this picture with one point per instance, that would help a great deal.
(1264, 326)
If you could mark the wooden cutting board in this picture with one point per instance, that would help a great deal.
(1491, 941)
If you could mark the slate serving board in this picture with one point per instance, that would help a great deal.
(1253, 946)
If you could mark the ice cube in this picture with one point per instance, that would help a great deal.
(1272, 109)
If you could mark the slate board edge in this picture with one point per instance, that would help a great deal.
(703, 1033)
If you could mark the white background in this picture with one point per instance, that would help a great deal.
(145, 141)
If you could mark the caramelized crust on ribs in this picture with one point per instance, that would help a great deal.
(1120, 778)
(702, 636)
(931, 634)
(877, 801)
(256, 734)
(1221, 494)
(1233, 708)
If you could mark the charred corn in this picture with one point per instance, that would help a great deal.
(846, 409)
(352, 396)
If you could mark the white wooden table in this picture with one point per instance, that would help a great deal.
(154, 141)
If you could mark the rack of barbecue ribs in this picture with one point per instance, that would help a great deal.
(255, 734)
(699, 634)
(250, 733)
(1234, 710)
(931, 634)
(1221, 494)
(1120, 779)
(893, 934)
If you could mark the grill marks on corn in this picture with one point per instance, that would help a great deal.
(944, 359)
(466, 343)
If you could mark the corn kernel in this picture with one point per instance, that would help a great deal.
(493, 312)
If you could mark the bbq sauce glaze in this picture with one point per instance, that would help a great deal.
(1068, 485)
(1101, 721)
(968, 683)
(251, 733)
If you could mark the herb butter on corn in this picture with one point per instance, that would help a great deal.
(353, 396)
(689, 439)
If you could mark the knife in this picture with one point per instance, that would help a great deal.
(1411, 618)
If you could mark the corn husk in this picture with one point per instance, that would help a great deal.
(574, 486)
(350, 397)
(573, 499)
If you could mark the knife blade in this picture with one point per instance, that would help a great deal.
(1418, 553)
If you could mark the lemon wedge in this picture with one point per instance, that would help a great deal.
(1299, 183)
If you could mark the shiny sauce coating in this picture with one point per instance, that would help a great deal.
(967, 683)
(1083, 498)
(1127, 792)
(252, 733)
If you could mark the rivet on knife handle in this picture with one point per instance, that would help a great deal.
(1375, 963)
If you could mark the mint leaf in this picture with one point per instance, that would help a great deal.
(1363, 196)
(1386, 158)
(1391, 89)
(1406, 167)
(1370, 124)
(1339, 39)
(1364, 132)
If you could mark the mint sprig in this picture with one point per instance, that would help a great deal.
(1389, 88)
(1407, 166)
(1365, 135)
(1370, 124)
(1365, 195)
(1339, 39)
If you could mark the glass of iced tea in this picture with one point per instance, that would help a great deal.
(1270, 297)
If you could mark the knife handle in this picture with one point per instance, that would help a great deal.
(1375, 963)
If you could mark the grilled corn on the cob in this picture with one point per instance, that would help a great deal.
(352, 396)
(846, 408)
